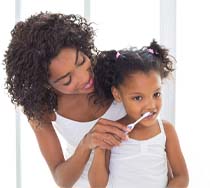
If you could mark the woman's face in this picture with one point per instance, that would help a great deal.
(71, 73)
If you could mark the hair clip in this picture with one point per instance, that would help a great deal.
(117, 54)
(150, 50)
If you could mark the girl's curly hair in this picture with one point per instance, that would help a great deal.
(113, 67)
(34, 43)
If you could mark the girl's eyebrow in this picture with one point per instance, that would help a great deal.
(139, 93)
(67, 74)
(158, 89)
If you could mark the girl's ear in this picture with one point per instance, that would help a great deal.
(116, 94)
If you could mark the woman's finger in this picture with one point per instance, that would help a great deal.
(110, 139)
(114, 131)
(102, 143)
(113, 124)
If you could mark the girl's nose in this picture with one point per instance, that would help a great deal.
(150, 103)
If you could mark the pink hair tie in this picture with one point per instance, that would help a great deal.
(117, 54)
(150, 50)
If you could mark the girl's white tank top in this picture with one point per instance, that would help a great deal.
(140, 163)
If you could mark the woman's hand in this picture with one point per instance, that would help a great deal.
(106, 134)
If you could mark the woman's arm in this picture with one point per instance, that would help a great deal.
(67, 172)
(176, 159)
(98, 174)
(105, 134)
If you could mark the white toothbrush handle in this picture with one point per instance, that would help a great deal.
(132, 125)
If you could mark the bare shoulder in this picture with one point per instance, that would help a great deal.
(168, 127)
(45, 123)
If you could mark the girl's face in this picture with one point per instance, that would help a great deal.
(71, 73)
(141, 93)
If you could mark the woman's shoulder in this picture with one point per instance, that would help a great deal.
(118, 106)
(46, 121)
(115, 111)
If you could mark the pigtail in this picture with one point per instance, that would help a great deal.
(105, 72)
(166, 60)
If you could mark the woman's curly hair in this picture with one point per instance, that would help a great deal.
(113, 67)
(33, 45)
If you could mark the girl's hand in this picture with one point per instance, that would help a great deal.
(106, 134)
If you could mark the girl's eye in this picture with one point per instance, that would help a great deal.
(67, 83)
(82, 62)
(157, 94)
(137, 98)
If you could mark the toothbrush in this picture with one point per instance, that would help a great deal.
(132, 125)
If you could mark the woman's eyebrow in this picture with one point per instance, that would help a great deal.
(77, 55)
(62, 77)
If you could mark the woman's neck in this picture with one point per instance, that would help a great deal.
(81, 107)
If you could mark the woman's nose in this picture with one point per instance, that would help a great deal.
(82, 78)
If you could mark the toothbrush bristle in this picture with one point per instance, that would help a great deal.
(147, 114)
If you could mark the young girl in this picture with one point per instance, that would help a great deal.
(134, 78)
(49, 74)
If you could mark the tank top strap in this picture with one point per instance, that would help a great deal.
(161, 126)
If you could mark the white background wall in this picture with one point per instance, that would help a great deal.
(7, 113)
(193, 88)
(121, 24)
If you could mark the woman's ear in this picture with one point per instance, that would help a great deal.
(116, 94)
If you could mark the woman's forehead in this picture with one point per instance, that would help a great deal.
(63, 62)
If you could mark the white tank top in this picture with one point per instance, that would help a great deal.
(74, 131)
(140, 163)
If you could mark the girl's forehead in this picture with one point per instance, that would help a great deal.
(140, 75)
(140, 79)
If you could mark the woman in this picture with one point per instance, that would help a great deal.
(49, 74)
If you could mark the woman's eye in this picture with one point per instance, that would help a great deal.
(157, 94)
(137, 98)
(68, 82)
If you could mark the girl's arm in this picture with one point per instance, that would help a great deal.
(98, 174)
(67, 172)
(176, 159)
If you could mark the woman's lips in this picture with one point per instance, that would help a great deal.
(89, 84)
